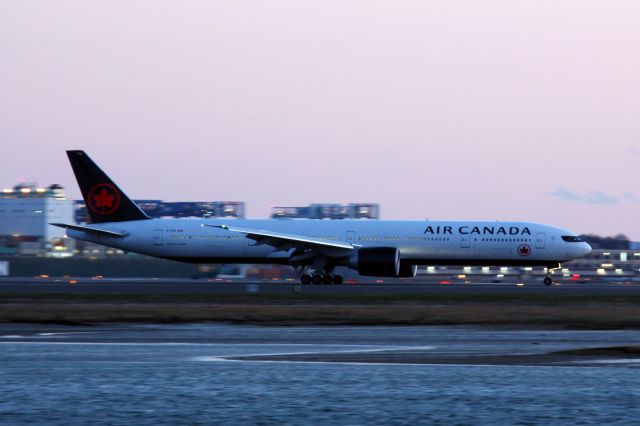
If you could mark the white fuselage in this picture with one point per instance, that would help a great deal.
(419, 242)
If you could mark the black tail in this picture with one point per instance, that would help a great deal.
(105, 201)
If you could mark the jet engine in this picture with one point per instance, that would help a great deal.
(376, 262)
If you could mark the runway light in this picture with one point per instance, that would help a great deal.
(44, 276)
(618, 271)
(504, 269)
(445, 282)
(485, 269)
(461, 276)
(40, 190)
(528, 268)
(467, 268)
(25, 190)
(73, 282)
(7, 191)
(519, 284)
(431, 268)
(500, 276)
(600, 271)
(607, 265)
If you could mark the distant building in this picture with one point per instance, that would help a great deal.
(618, 242)
(25, 213)
(634, 245)
(159, 208)
(328, 211)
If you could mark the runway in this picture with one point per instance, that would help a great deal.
(229, 287)
(351, 345)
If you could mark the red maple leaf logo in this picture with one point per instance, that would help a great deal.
(524, 250)
(103, 199)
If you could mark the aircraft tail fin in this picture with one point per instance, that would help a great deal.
(105, 201)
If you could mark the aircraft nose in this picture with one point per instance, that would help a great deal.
(585, 249)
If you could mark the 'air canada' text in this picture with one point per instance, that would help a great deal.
(478, 230)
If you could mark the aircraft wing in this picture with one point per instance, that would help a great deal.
(283, 241)
(91, 230)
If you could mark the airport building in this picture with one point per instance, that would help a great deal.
(25, 213)
(160, 209)
(328, 211)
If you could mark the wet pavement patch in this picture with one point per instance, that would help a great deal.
(587, 357)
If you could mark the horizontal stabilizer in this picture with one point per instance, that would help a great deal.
(91, 230)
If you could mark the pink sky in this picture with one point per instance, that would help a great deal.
(447, 110)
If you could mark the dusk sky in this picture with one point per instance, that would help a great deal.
(460, 110)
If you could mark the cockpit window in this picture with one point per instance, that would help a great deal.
(572, 239)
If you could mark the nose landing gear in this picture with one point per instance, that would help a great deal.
(548, 280)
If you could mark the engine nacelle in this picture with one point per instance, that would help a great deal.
(408, 271)
(376, 262)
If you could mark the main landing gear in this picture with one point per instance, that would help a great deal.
(321, 278)
(548, 280)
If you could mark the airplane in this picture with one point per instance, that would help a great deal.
(374, 248)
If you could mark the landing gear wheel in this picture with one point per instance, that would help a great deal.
(327, 279)
(305, 279)
(548, 281)
(337, 279)
(317, 279)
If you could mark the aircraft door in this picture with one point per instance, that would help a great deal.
(157, 237)
(465, 241)
(351, 237)
(540, 240)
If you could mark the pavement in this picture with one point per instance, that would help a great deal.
(337, 344)
(217, 286)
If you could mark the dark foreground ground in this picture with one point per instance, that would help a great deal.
(68, 301)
